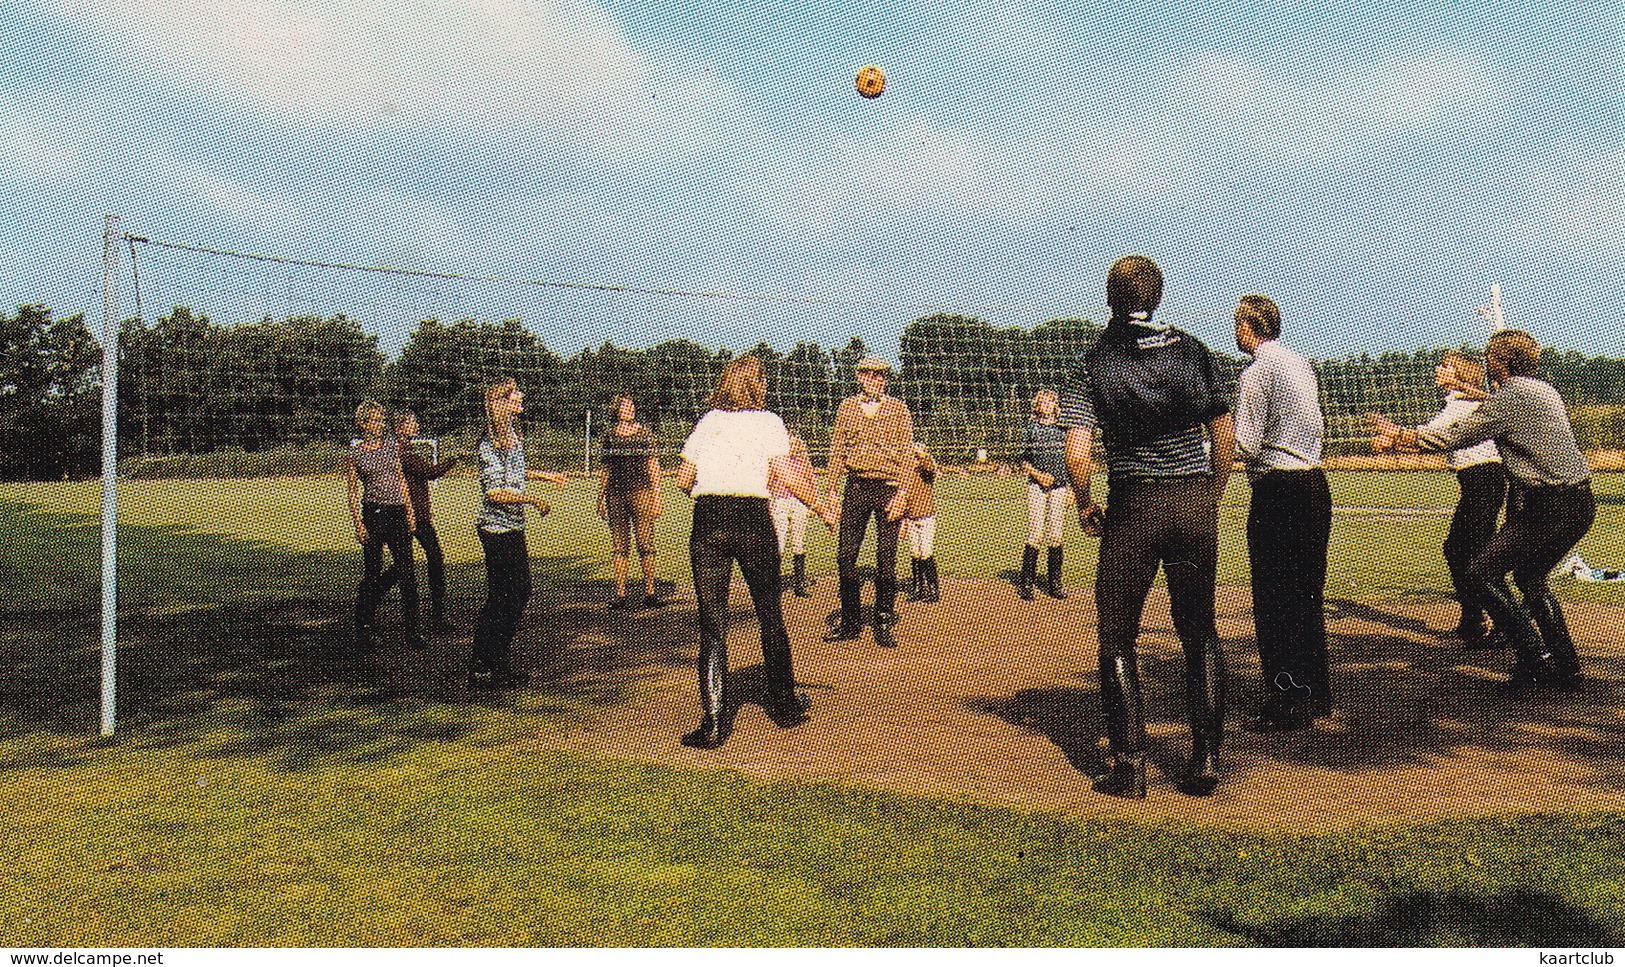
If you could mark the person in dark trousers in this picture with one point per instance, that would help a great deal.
(728, 461)
(501, 527)
(1043, 458)
(1530, 426)
(1482, 481)
(1155, 396)
(629, 498)
(1279, 429)
(872, 446)
(383, 517)
(419, 473)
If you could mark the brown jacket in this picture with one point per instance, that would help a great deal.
(879, 446)
(922, 496)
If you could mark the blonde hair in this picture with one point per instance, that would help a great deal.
(1517, 350)
(1466, 369)
(741, 386)
(1044, 394)
(498, 433)
(1262, 315)
(365, 410)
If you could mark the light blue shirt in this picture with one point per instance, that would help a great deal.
(501, 470)
(1279, 425)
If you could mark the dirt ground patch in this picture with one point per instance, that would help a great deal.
(993, 699)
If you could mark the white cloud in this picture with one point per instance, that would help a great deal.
(553, 69)
(1208, 118)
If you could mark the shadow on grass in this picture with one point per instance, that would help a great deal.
(1517, 918)
(1405, 697)
(244, 644)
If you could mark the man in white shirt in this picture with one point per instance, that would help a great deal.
(1289, 519)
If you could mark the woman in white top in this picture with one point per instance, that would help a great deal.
(1483, 483)
(727, 462)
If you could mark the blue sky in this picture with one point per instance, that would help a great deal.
(1373, 166)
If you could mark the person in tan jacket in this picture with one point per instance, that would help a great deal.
(872, 446)
(920, 524)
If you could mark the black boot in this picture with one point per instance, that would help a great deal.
(1205, 691)
(1125, 728)
(851, 626)
(798, 578)
(713, 730)
(933, 591)
(1554, 634)
(786, 706)
(885, 621)
(1029, 572)
(1053, 586)
(1533, 664)
(915, 589)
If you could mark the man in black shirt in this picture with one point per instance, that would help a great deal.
(1153, 393)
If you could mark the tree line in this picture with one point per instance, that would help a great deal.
(190, 385)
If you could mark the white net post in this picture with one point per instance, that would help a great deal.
(111, 237)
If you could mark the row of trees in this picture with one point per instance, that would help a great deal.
(189, 385)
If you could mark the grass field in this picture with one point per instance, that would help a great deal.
(263, 792)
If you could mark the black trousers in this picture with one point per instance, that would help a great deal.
(1547, 525)
(434, 560)
(729, 529)
(1483, 491)
(867, 497)
(386, 527)
(1170, 523)
(1289, 524)
(507, 591)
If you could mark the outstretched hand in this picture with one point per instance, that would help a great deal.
(1385, 433)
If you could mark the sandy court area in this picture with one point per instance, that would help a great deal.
(993, 699)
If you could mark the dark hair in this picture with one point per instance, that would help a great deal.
(1517, 350)
(1261, 314)
(741, 386)
(1133, 284)
(615, 407)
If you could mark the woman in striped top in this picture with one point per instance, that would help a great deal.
(501, 526)
(383, 516)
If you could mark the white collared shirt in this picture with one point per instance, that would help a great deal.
(1279, 425)
(1456, 407)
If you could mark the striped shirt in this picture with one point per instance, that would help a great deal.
(1181, 453)
(379, 470)
(501, 470)
(1044, 449)
(1279, 425)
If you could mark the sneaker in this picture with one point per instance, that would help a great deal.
(653, 601)
(415, 641)
(620, 603)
